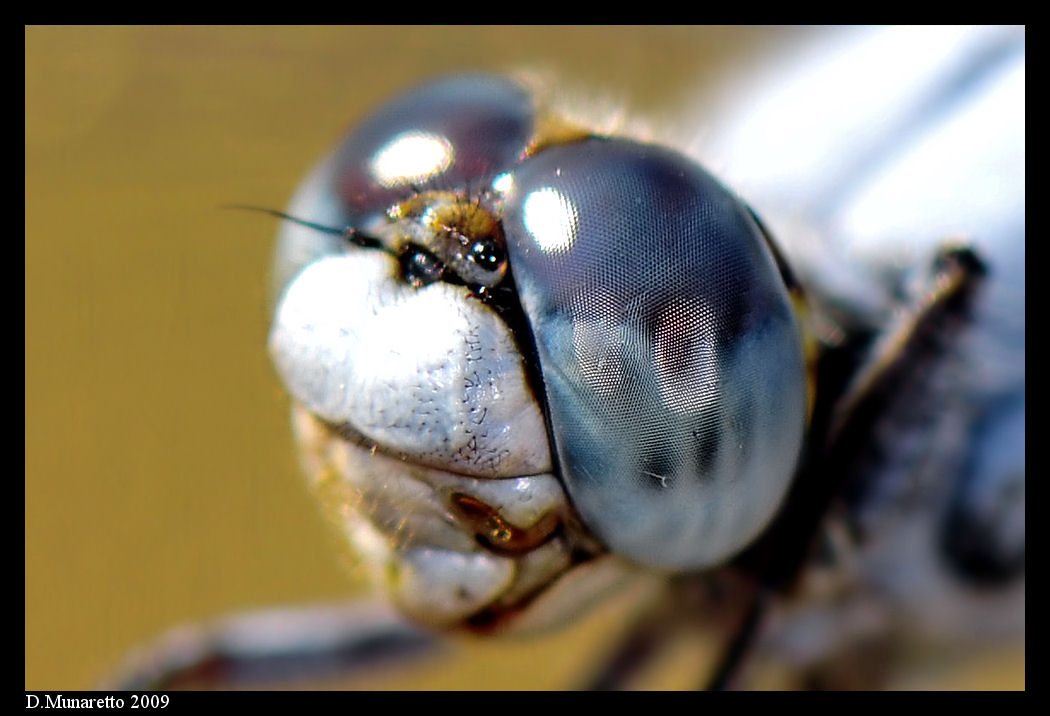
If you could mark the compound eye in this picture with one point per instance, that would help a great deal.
(670, 354)
(453, 132)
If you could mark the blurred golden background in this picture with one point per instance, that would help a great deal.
(161, 483)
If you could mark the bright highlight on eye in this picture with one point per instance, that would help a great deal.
(411, 157)
(551, 219)
(503, 183)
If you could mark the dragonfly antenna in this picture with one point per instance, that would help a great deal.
(349, 233)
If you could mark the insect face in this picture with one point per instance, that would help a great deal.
(635, 377)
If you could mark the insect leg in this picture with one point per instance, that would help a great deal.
(724, 603)
(275, 645)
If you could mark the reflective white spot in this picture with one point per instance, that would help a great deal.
(551, 219)
(503, 183)
(411, 157)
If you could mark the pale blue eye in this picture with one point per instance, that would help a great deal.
(670, 355)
